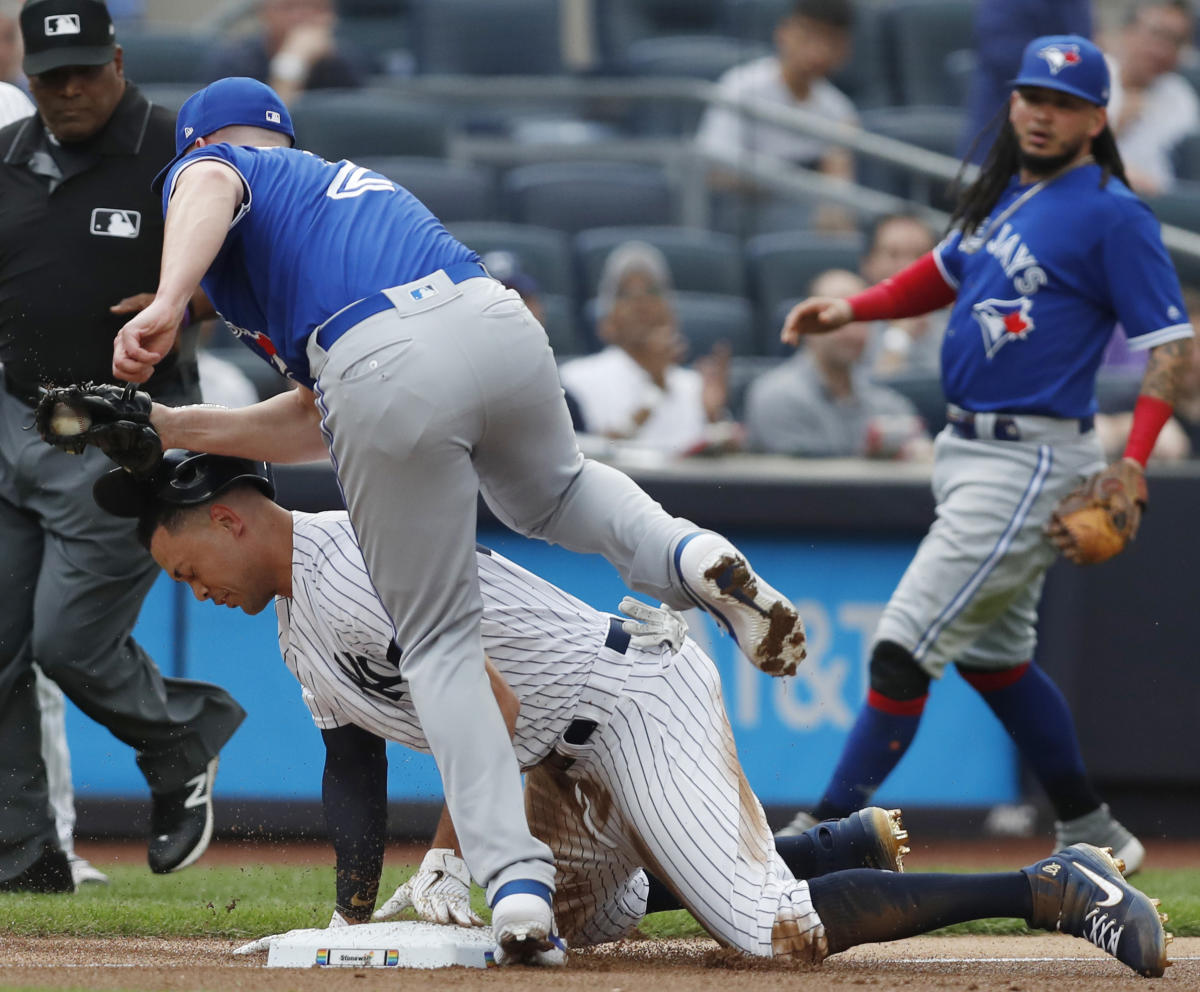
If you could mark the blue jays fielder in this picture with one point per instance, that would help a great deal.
(429, 383)
(621, 728)
(1048, 250)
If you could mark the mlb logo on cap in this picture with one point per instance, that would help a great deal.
(273, 116)
(57, 24)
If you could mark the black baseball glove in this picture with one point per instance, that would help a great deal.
(112, 418)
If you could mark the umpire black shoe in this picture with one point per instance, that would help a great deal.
(181, 823)
(1081, 891)
(50, 873)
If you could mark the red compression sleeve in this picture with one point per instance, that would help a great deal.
(915, 290)
(1149, 415)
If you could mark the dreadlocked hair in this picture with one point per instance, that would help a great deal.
(977, 200)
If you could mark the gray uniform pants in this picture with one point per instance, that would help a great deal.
(73, 581)
(424, 406)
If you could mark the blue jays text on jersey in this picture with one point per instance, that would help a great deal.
(312, 237)
(1039, 292)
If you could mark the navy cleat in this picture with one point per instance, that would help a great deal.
(719, 579)
(1081, 891)
(869, 838)
(181, 822)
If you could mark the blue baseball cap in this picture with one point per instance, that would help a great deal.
(234, 100)
(1066, 62)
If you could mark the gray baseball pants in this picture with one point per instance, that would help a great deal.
(424, 406)
(73, 581)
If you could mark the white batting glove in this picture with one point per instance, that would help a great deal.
(264, 943)
(440, 892)
(651, 626)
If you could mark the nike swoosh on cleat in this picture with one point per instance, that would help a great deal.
(1114, 893)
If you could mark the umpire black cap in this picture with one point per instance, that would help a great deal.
(66, 32)
(185, 478)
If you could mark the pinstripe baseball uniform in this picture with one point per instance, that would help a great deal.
(656, 784)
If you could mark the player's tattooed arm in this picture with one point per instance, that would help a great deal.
(1166, 368)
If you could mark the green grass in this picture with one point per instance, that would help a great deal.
(249, 901)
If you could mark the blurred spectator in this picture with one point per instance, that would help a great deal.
(294, 50)
(11, 48)
(635, 391)
(821, 402)
(1152, 107)
(811, 41)
(14, 104)
(506, 268)
(912, 345)
(1002, 30)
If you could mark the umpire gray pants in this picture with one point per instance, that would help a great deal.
(73, 581)
(424, 406)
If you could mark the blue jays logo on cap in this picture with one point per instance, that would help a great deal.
(1068, 63)
(227, 102)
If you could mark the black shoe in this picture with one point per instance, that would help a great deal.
(50, 873)
(1080, 891)
(181, 823)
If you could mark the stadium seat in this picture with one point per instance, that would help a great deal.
(783, 265)
(572, 196)
(452, 190)
(487, 37)
(700, 260)
(619, 24)
(380, 29)
(934, 128)
(161, 57)
(1180, 207)
(923, 35)
(924, 391)
(351, 124)
(546, 256)
(743, 370)
(544, 253)
(169, 95)
(1186, 156)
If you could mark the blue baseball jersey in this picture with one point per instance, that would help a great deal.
(1038, 296)
(312, 237)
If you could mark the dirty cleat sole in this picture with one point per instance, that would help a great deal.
(765, 624)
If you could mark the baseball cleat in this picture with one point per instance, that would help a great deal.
(181, 823)
(868, 838)
(801, 823)
(763, 622)
(1101, 829)
(1081, 891)
(523, 925)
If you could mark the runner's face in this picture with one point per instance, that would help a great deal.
(206, 555)
(1051, 125)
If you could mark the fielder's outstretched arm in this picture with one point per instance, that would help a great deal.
(285, 428)
(207, 195)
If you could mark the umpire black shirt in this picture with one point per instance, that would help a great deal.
(80, 231)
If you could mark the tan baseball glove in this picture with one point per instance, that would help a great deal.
(1096, 521)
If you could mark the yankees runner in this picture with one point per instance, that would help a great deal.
(629, 755)
(429, 382)
(1048, 248)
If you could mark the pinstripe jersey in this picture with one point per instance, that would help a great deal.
(336, 638)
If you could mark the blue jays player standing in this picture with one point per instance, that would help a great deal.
(429, 383)
(1047, 249)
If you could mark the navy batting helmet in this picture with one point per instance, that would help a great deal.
(185, 478)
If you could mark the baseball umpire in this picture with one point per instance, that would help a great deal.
(621, 729)
(1048, 249)
(429, 382)
(80, 235)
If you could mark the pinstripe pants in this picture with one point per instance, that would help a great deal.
(971, 592)
(660, 787)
